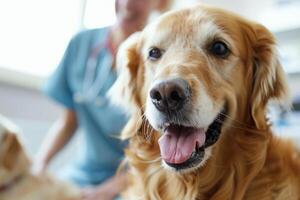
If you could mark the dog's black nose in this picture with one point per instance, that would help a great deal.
(170, 95)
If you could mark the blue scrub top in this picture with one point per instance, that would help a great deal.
(100, 151)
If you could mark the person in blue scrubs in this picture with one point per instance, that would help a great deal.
(80, 84)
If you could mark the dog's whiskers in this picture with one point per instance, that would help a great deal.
(237, 121)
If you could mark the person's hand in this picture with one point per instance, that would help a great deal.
(107, 190)
(39, 167)
(101, 192)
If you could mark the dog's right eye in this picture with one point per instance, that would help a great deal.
(220, 49)
(154, 53)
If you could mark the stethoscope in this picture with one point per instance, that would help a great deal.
(91, 85)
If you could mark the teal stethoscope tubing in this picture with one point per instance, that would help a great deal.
(91, 85)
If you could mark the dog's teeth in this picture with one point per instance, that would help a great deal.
(167, 124)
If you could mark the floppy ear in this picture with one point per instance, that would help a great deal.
(125, 91)
(12, 154)
(11, 150)
(268, 77)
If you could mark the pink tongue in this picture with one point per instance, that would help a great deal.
(178, 143)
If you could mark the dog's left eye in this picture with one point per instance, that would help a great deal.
(154, 53)
(219, 48)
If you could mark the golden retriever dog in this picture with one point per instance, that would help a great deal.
(16, 181)
(197, 83)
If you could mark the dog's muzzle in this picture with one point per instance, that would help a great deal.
(183, 142)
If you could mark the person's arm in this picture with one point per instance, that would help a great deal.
(58, 136)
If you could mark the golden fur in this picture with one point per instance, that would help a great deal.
(15, 173)
(248, 162)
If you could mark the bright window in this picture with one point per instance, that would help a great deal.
(99, 13)
(34, 33)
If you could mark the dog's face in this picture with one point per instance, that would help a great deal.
(189, 71)
(13, 160)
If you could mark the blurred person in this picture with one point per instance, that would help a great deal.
(80, 84)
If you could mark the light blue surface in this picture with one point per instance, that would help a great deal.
(100, 151)
(288, 126)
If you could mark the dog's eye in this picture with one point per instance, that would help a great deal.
(219, 48)
(154, 53)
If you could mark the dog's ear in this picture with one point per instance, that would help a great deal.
(125, 91)
(12, 155)
(268, 77)
(10, 150)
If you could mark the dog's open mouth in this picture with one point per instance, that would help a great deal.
(184, 147)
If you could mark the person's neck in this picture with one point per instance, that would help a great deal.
(118, 35)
